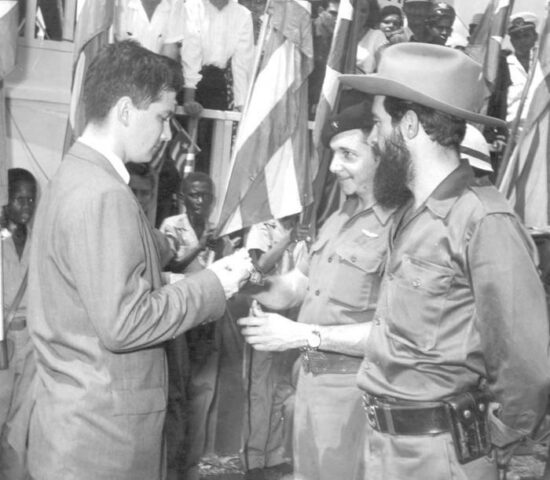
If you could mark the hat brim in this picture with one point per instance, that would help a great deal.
(377, 84)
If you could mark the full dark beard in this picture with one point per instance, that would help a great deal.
(393, 172)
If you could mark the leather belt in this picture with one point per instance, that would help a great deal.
(418, 418)
(317, 363)
(18, 323)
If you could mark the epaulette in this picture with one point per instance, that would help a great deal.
(492, 200)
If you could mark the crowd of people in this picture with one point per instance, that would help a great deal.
(408, 339)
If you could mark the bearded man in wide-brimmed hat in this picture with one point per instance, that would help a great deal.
(456, 365)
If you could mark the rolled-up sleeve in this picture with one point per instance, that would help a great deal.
(191, 47)
(512, 319)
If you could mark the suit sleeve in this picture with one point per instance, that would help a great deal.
(512, 321)
(114, 265)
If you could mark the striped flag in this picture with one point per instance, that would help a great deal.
(271, 173)
(525, 177)
(94, 19)
(352, 15)
(486, 41)
(8, 41)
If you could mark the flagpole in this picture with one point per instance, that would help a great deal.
(4, 362)
(512, 140)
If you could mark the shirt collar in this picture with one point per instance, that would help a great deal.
(382, 214)
(447, 192)
(112, 157)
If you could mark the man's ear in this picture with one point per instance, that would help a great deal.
(123, 109)
(409, 125)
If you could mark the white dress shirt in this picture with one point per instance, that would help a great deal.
(132, 22)
(213, 37)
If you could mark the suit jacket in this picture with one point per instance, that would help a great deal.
(98, 315)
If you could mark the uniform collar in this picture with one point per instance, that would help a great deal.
(382, 214)
(447, 192)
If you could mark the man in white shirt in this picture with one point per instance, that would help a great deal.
(219, 33)
(152, 23)
(523, 36)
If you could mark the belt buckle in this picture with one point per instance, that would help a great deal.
(371, 413)
(305, 362)
(372, 417)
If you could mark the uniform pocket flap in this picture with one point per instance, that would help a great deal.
(135, 402)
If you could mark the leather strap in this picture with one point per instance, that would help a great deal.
(15, 304)
(419, 419)
(318, 363)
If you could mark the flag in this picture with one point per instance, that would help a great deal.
(270, 175)
(183, 147)
(352, 15)
(8, 41)
(525, 176)
(93, 21)
(485, 44)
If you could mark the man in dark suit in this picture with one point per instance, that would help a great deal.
(98, 309)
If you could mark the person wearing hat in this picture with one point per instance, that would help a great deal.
(456, 362)
(523, 37)
(439, 23)
(337, 286)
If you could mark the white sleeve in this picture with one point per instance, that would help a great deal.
(175, 29)
(243, 60)
(191, 46)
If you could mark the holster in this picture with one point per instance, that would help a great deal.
(470, 425)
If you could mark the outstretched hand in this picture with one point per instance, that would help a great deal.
(271, 331)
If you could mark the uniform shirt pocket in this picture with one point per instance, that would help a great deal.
(417, 292)
(356, 277)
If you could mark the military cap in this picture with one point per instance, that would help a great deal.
(355, 117)
(522, 21)
(441, 10)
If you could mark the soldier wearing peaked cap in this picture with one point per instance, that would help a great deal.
(337, 286)
(455, 371)
(522, 30)
(439, 23)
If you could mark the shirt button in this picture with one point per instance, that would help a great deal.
(317, 292)
(366, 365)
(377, 320)
(416, 283)
(330, 259)
(353, 258)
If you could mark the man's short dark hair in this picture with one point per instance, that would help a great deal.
(18, 175)
(127, 69)
(445, 129)
(196, 177)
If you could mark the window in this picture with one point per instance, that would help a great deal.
(49, 23)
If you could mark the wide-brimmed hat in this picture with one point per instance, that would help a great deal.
(438, 77)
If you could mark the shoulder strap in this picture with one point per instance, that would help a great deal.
(17, 300)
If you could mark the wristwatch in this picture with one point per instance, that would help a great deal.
(313, 339)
